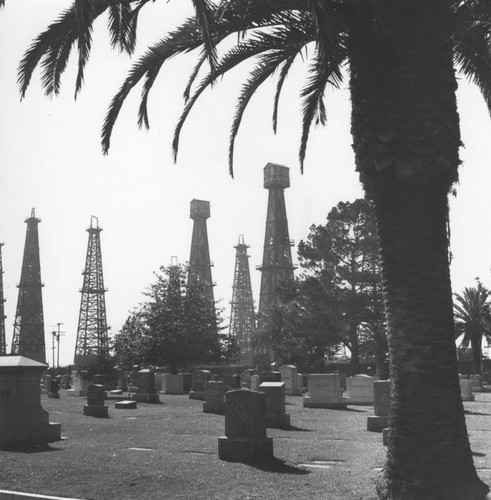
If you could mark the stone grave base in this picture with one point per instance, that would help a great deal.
(241, 449)
(331, 403)
(72, 393)
(377, 424)
(22, 435)
(53, 395)
(385, 436)
(96, 410)
(278, 420)
(115, 394)
(197, 395)
(293, 392)
(148, 397)
(128, 404)
(360, 400)
(218, 409)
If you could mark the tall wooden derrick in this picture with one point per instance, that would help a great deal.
(277, 257)
(92, 344)
(242, 317)
(3, 340)
(28, 338)
(199, 260)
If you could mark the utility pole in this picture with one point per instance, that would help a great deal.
(53, 348)
(58, 340)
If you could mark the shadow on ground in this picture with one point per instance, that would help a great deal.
(32, 448)
(276, 465)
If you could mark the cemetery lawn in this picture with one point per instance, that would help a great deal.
(170, 451)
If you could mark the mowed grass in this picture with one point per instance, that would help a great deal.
(170, 451)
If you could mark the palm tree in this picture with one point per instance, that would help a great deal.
(472, 312)
(401, 57)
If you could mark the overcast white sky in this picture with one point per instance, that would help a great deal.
(51, 160)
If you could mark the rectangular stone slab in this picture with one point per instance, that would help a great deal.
(125, 405)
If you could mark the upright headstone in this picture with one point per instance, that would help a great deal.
(381, 402)
(66, 381)
(466, 389)
(146, 392)
(99, 379)
(187, 382)
(215, 397)
(159, 381)
(270, 376)
(173, 383)
(324, 391)
(276, 415)
(95, 406)
(359, 390)
(200, 378)
(289, 375)
(46, 383)
(23, 421)
(54, 389)
(245, 428)
(255, 381)
(476, 383)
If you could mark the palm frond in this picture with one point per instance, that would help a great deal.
(324, 20)
(205, 22)
(85, 15)
(268, 63)
(320, 74)
(121, 27)
(192, 77)
(256, 44)
(279, 86)
(182, 40)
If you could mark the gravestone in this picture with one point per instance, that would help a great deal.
(324, 391)
(215, 397)
(255, 381)
(99, 379)
(66, 381)
(359, 390)
(300, 382)
(173, 383)
(23, 421)
(245, 428)
(476, 383)
(95, 406)
(159, 381)
(276, 415)
(381, 403)
(46, 383)
(289, 375)
(146, 393)
(54, 389)
(126, 404)
(270, 376)
(200, 378)
(246, 376)
(466, 390)
(187, 382)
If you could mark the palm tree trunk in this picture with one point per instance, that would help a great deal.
(406, 137)
(476, 344)
(428, 450)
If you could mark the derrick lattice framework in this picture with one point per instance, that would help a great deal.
(92, 336)
(28, 338)
(3, 340)
(242, 318)
(199, 260)
(277, 257)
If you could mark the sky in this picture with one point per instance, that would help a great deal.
(51, 160)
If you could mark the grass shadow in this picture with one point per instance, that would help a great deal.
(276, 466)
(30, 448)
(294, 428)
(470, 412)
(477, 454)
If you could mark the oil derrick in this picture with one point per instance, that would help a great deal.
(92, 344)
(199, 260)
(3, 340)
(277, 257)
(242, 319)
(28, 339)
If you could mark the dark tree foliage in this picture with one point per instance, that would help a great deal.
(342, 258)
(178, 326)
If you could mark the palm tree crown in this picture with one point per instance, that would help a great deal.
(272, 34)
(472, 310)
